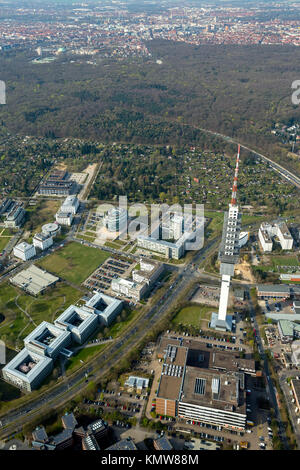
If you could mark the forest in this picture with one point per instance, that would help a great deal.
(240, 91)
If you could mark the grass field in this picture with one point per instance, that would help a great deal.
(44, 307)
(74, 262)
(193, 315)
(82, 355)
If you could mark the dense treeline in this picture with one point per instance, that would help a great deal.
(240, 91)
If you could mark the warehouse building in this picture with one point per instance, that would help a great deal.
(107, 308)
(47, 340)
(42, 241)
(27, 370)
(24, 251)
(288, 331)
(34, 280)
(80, 323)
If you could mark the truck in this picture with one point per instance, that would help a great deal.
(249, 423)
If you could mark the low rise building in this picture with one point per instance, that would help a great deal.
(107, 308)
(64, 218)
(34, 280)
(15, 217)
(125, 444)
(129, 289)
(276, 291)
(162, 443)
(27, 370)
(79, 322)
(24, 251)
(70, 205)
(53, 229)
(47, 340)
(42, 241)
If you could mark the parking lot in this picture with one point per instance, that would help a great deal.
(112, 268)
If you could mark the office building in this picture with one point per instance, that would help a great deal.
(70, 205)
(52, 229)
(107, 308)
(129, 289)
(279, 229)
(15, 217)
(125, 444)
(79, 322)
(162, 443)
(116, 220)
(148, 272)
(202, 384)
(57, 184)
(27, 370)
(42, 241)
(64, 218)
(47, 340)
(24, 251)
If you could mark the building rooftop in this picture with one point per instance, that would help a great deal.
(33, 279)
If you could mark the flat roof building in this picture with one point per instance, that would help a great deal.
(125, 444)
(106, 307)
(70, 205)
(64, 218)
(15, 217)
(24, 251)
(27, 370)
(47, 340)
(42, 241)
(129, 288)
(34, 280)
(79, 322)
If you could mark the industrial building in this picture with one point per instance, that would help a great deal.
(27, 370)
(202, 384)
(42, 241)
(34, 280)
(268, 231)
(288, 331)
(47, 340)
(80, 323)
(276, 291)
(24, 251)
(107, 308)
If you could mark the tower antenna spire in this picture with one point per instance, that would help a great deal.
(235, 179)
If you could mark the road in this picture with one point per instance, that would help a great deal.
(74, 384)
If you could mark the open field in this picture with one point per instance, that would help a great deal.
(193, 315)
(44, 212)
(14, 302)
(74, 262)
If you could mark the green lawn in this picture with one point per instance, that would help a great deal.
(193, 315)
(285, 261)
(82, 355)
(46, 306)
(74, 262)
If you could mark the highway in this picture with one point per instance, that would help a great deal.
(71, 386)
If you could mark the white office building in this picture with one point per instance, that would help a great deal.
(27, 370)
(64, 218)
(107, 308)
(24, 251)
(42, 241)
(129, 289)
(79, 322)
(70, 205)
(279, 229)
(47, 340)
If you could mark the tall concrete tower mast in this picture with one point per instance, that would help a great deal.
(228, 253)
